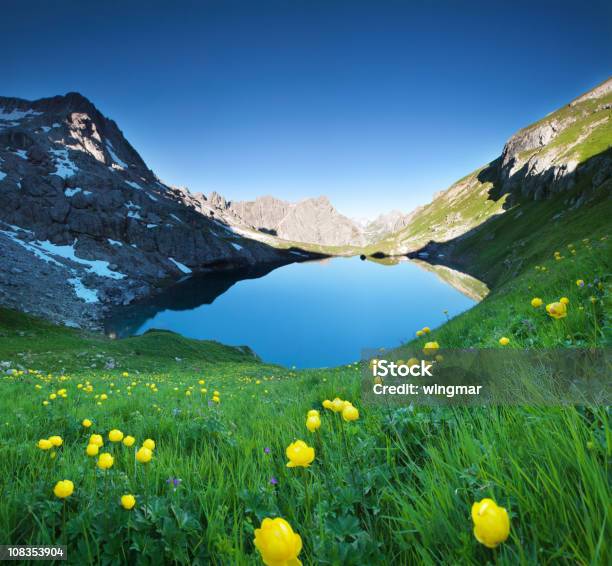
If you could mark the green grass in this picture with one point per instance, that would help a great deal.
(394, 487)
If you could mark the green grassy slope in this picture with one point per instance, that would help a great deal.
(586, 131)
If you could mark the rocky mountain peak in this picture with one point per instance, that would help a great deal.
(85, 216)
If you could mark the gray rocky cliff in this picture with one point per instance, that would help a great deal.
(83, 219)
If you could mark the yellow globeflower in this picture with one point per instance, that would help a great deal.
(63, 489)
(426, 330)
(92, 449)
(350, 413)
(491, 523)
(313, 413)
(430, 348)
(144, 455)
(504, 341)
(536, 302)
(313, 423)
(337, 405)
(115, 435)
(277, 543)
(56, 440)
(327, 404)
(564, 300)
(104, 397)
(125, 374)
(96, 439)
(216, 399)
(556, 310)
(105, 461)
(44, 444)
(419, 333)
(299, 454)
(580, 282)
(129, 441)
(86, 423)
(128, 501)
(150, 444)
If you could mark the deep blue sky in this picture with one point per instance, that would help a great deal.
(376, 103)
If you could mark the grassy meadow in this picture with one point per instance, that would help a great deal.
(394, 486)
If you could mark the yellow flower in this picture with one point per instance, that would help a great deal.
(128, 501)
(327, 404)
(580, 282)
(144, 455)
(115, 435)
(56, 440)
(426, 330)
(350, 413)
(92, 449)
(430, 348)
(503, 341)
(564, 300)
(536, 302)
(129, 441)
(86, 423)
(44, 444)
(419, 333)
(52, 396)
(105, 461)
(104, 397)
(337, 405)
(150, 444)
(299, 454)
(125, 374)
(313, 423)
(556, 310)
(96, 439)
(491, 523)
(63, 489)
(313, 413)
(216, 399)
(277, 543)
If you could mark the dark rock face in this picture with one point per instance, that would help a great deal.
(76, 198)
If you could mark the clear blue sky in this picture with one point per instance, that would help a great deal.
(376, 104)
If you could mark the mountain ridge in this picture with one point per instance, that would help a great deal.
(546, 160)
(78, 204)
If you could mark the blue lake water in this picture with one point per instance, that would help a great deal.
(311, 314)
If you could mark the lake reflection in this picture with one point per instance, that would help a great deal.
(310, 314)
